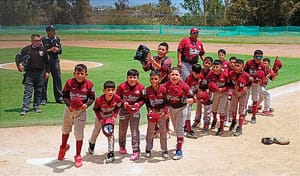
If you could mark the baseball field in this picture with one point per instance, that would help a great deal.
(30, 144)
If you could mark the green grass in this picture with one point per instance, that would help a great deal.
(116, 63)
(169, 38)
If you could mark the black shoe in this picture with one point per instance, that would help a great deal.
(213, 125)
(219, 132)
(253, 120)
(44, 102)
(91, 148)
(110, 157)
(148, 154)
(37, 110)
(23, 113)
(60, 101)
(238, 131)
(191, 134)
(233, 123)
(165, 154)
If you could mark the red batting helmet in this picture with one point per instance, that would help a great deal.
(153, 117)
(277, 65)
(76, 103)
(108, 127)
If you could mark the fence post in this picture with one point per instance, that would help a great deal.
(160, 30)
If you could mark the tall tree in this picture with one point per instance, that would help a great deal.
(81, 11)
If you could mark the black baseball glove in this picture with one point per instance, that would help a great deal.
(141, 54)
(22, 59)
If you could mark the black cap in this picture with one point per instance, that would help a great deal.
(50, 28)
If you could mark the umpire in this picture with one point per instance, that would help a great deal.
(36, 69)
(52, 43)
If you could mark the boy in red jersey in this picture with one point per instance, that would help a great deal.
(251, 67)
(178, 96)
(132, 93)
(217, 84)
(240, 83)
(193, 81)
(203, 87)
(106, 109)
(78, 94)
(155, 101)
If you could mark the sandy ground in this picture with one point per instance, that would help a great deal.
(33, 150)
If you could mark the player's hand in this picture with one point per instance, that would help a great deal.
(83, 107)
(46, 75)
(71, 109)
(20, 68)
(190, 100)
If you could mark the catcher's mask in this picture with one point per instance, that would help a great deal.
(108, 128)
(141, 53)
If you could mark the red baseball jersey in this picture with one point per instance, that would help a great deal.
(221, 80)
(130, 94)
(193, 83)
(252, 67)
(85, 90)
(164, 70)
(203, 79)
(190, 50)
(177, 94)
(235, 79)
(107, 109)
(225, 65)
(156, 100)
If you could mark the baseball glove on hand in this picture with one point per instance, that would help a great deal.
(277, 65)
(142, 54)
(76, 103)
(23, 60)
(153, 116)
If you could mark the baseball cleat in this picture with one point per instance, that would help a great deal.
(123, 150)
(213, 125)
(62, 152)
(110, 157)
(219, 132)
(78, 161)
(253, 120)
(91, 148)
(191, 134)
(233, 123)
(165, 155)
(23, 113)
(135, 156)
(148, 154)
(178, 155)
(238, 131)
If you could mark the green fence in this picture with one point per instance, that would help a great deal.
(157, 29)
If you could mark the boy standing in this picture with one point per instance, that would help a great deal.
(178, 96)
(132, 93)
(155, 100)
(106, 109)
(240, 81)
(78, 94)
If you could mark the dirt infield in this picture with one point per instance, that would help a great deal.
(33, 150)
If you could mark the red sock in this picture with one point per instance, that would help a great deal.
(255, 107)
(222, 118)
(234, 116)
(241, 120)
(188, 125)
(215, 117)
(64, 140)
(179, 143)
(78, 147)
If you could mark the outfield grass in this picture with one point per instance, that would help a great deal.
(116, 63)
(170, 38)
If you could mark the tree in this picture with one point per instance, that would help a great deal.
(81, 11)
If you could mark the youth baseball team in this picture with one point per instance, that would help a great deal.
(218, 87)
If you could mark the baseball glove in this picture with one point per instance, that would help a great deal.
(281, 140)
(142, 54)
(22, 59)
(267, 140)
(76, 103)
(277, 65)
(153, 117)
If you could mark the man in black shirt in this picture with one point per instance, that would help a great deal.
(52, 43)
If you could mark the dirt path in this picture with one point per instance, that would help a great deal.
(33, 150)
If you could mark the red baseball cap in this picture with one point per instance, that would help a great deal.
(194, 30)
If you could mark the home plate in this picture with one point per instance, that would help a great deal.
(41, 161)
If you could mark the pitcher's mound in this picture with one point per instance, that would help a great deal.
(65, 65)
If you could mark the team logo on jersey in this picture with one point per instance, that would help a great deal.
(41, 53)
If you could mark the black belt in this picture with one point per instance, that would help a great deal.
(35, 70)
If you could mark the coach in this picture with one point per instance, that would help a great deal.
(188, 52)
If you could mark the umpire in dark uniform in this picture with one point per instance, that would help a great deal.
(36, 70)
(52, 43)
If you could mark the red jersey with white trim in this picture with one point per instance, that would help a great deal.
(164, 70)
(131, 94)
(191, 50)
(265, 81)
(178, 93)
(252, 67)
(226, 66)
(85, 90)
(107, 109)
(193, 83)
(234, 77)
(156, 100)
(203, 79)
(221, 80)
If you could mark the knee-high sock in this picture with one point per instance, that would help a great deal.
(179, 143)
(234, 116)
(188, 125)
(64, 140)
(241, 120)
(222, 119)
(78, 147)
(215, 117)
(255, 108)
